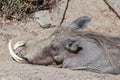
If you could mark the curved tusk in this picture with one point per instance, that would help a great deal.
(19, 44)
(13, 54)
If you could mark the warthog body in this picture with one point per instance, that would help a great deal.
(72, 49)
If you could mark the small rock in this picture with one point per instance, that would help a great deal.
(50, 19)
(43, 18)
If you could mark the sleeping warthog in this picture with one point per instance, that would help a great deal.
(73, 49)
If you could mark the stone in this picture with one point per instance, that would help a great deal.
(43, 18)
(47, 19)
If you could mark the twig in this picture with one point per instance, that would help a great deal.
(64, 12)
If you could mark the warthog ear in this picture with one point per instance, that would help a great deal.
(72, 45)
(80, 23)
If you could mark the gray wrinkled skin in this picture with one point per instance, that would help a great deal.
(97, 53)
(76, 50)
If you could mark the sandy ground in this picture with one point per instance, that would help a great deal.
(103, 21)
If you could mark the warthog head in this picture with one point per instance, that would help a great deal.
(43, 52)
(72, 48)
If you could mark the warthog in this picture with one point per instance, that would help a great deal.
(72, 48)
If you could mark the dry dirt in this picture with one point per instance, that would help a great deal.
(103, 21)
